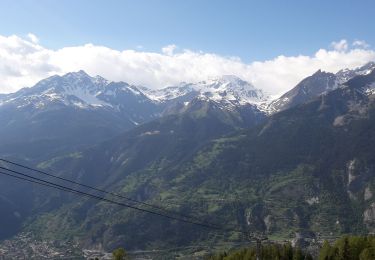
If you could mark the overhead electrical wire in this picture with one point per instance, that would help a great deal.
(168, 211)
(64, 188)
(182, 218)
(32, 179)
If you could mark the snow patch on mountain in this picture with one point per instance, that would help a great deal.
(370, 90)
(227, 90)
(82, 91)
(88, 97)
(317, 84)
(346, 74)
(74, 88)
(168, 93)
(230, 88)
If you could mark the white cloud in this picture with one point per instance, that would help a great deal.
(340, 45)
(169, 49)
(361, 44)
(24, 62)
(33, 38)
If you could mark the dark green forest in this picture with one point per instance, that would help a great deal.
(345, 248)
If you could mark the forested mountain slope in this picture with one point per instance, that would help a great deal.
(306, 170)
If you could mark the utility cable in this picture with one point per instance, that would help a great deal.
(78, 192)
(101, 190)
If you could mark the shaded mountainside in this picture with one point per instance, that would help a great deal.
(308, 170)
(169, 140)
(306, 90)
(37, 135)
(166, 140)
(315, 85)
(62, 115)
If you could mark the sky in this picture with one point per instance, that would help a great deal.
(272, 44)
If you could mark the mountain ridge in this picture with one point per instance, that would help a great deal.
(91, 109)
(317, 84)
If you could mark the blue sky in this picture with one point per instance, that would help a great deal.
(251, 30)
(272, 44)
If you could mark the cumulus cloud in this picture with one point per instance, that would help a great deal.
(23, 62)
(340, 45)
(33, 38)
(169, 49)
(361, 44)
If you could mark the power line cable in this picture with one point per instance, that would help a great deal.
(78, 192)
(64, 188)
(101, 190)
(30, 180)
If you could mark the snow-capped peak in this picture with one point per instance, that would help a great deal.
(230, 88)
(346, 74)
(98, 80)
(317, 84)
(74, 88)
(79, 90)
(168, 93)
(79, 87)
(226, 89)
(226, 79)
(77, 74)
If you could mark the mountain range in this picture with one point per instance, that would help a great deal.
(81, 110)
(220, 149)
